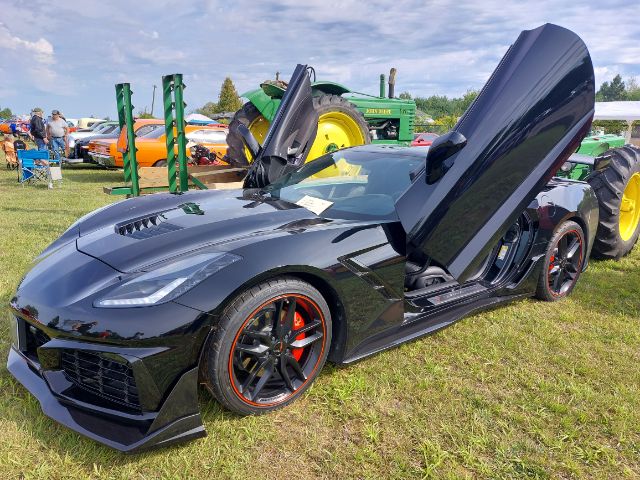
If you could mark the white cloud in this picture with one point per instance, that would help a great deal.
(439, 47)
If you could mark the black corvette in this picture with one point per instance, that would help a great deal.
(250, 291)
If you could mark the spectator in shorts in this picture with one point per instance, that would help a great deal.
(37, 130)
(9, 152)
(57, 129)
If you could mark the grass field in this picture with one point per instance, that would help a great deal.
(533, 389)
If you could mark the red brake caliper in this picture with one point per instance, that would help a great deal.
(298, 323)
(552, 261)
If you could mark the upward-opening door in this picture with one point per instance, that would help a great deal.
(528, 119)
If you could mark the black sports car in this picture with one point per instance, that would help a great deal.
(250, 291)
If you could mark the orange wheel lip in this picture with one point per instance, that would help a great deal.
(239, 332)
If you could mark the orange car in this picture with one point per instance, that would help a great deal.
(108, 153)
(151, 147)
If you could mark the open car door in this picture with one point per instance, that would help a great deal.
(528, 119)
(290, 135)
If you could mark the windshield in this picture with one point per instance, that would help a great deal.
(148, 129)
(352, 184)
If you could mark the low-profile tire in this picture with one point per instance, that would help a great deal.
(255, 364)
(618, 190)
(563, 262)
(160, 163)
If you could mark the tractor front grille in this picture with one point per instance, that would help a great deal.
(102, 376)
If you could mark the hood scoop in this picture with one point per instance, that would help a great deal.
(146, 227)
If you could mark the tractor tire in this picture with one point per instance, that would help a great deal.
(618, 190)
(249, 115)
(340, 125)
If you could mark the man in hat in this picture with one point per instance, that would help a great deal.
(37, 130)
(57, 129)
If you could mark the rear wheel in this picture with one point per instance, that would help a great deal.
(160, 163)
(271, 343)
(618, 190)
(563, 263)
(340, 125)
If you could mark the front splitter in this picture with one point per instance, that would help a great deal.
(181, 429)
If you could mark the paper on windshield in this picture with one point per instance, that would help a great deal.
(316, 205)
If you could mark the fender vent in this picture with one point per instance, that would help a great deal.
(146, 227)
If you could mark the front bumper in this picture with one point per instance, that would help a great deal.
(103, 159)
(177, 420)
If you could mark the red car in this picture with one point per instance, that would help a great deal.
(423, 139)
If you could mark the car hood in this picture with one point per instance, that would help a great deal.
(136, 233)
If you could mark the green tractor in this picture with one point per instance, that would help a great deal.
(613, 171)
(346, 118)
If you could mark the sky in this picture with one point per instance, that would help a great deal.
(68, 55)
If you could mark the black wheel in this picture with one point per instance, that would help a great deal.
(160, 163)
(563, 263)
(340, 125)
(618, 190)
(271, 343)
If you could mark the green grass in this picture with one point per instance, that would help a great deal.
(533, 389)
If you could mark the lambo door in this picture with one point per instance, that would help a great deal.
(528, 119)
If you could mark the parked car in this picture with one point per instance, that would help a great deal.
(95, 129)
(80, 151)
(250, 291)
(88, 122)
(108, 152)
(151, 147)
(423, 139)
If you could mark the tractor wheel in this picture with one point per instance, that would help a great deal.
(618, 190)
(340, 125)
(249, 115)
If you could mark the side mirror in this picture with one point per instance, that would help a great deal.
(440, 151)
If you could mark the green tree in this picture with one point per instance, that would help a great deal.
(611, 92)
(632, 89)
(405, 96)
(228, 100)
(144, 114)
(6, 113)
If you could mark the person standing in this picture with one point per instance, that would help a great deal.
(57, 129)
(37, 130)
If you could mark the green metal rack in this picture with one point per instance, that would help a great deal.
(125, 118)
(174, 124)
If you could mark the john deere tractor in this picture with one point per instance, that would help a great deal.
(346, 118)
(614, 174)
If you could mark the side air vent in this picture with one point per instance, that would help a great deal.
(146, 227)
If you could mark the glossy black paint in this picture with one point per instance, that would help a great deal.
(357, 263)
(527, 120)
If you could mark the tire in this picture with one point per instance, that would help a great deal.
(251, 117)
(248, 342)
(562, 267)
(160, 163)
(340, 125)
(612, 186)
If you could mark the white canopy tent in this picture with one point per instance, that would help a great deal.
(626, 111)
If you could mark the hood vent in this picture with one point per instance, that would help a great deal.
(146, 227)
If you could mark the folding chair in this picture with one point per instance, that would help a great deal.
(34, 167)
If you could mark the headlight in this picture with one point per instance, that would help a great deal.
(166, 283)
(72, 142)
